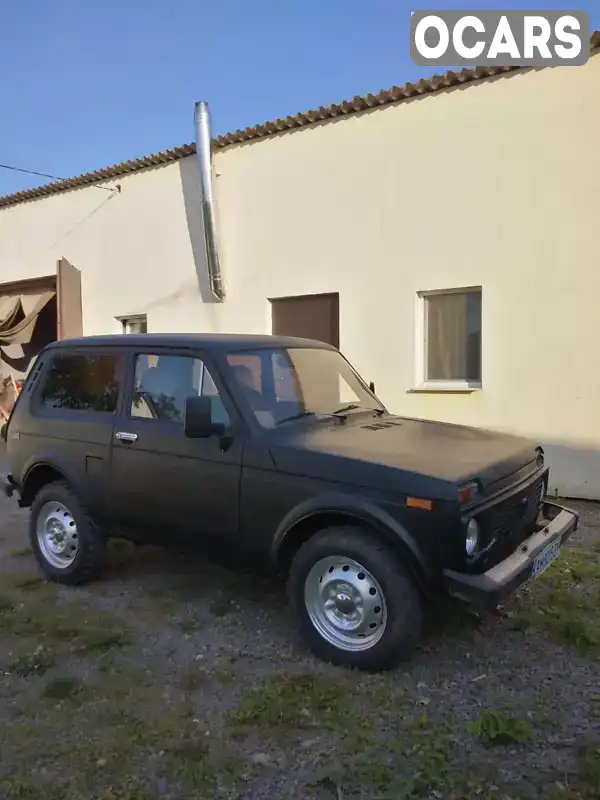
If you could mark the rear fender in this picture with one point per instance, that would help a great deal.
(32, 473)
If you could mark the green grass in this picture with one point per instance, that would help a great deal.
(31, 581)
(427, 759)
(413, 766)
(6, 605)
(33, 662)
(193, 678)
(293, 701)
(590, 767)
(103, 640)
(108, 726)
(498, 728)
(590, 770)
(139, 721)
(585, 784)
(293, 705)
(68, 624)
(21, 551)
(125, 794)
(60, 688)
(565, 603)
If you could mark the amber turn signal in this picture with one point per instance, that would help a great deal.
(419, 502)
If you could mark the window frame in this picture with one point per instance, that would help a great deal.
(422, 383)
(207, 364)
(124, 321)
(39, 409)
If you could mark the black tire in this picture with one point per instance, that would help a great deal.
(91, 542)
(403, 600)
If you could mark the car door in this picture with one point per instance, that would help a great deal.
(163, 485)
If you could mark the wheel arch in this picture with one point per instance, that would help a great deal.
(40, 473)
(310, 518)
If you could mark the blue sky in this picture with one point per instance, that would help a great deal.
(88, 83)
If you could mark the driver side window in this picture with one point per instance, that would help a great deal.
(163, 383)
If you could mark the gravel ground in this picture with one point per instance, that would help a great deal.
(172, 678)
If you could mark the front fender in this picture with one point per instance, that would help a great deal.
(360, 510)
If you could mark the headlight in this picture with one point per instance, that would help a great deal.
(472, 540)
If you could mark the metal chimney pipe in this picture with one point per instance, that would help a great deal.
(203, 155)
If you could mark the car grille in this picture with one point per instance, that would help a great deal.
(511, 520)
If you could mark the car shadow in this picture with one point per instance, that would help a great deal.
(181, 575)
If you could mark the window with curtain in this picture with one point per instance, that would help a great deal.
(453, 336)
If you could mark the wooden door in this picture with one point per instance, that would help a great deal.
(68, 301)
(313, 316)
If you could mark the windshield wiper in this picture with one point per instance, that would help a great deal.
(296, 416)
(353, 406)
(349, 407)
(337, 413)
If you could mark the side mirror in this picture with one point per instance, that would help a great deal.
(372, 387)
(198, 419)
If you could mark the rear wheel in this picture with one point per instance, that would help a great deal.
(357, 604)
(68, 546)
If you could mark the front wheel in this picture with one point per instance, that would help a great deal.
(357, 604)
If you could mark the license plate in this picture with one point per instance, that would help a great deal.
(543, 560)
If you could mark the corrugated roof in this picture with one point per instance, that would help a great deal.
(347, 108)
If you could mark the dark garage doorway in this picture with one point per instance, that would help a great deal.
(311, 316)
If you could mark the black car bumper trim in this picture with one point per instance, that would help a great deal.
(8, 485)
(491, 587)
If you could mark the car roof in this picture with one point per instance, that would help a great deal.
(213, 341)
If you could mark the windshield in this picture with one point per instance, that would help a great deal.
(282, 384)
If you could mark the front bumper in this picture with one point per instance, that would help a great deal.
(493, 586)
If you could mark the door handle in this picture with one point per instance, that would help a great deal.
(126, 437)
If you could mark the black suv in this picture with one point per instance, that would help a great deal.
(274, 448)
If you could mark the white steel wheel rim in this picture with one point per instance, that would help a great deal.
(57, 536)
(345, 603)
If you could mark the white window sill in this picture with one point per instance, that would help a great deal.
(446, 388)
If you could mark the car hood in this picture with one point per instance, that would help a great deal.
(441, 451)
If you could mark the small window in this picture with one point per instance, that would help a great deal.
(135, 324)
(164, 383)
(452, 333)
(83, 383)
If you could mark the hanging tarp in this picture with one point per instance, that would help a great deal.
(27, 311)
(9, 391)
(10, 307)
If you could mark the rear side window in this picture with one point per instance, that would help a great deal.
(82, 383)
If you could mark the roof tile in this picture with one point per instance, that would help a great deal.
(345, 108)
